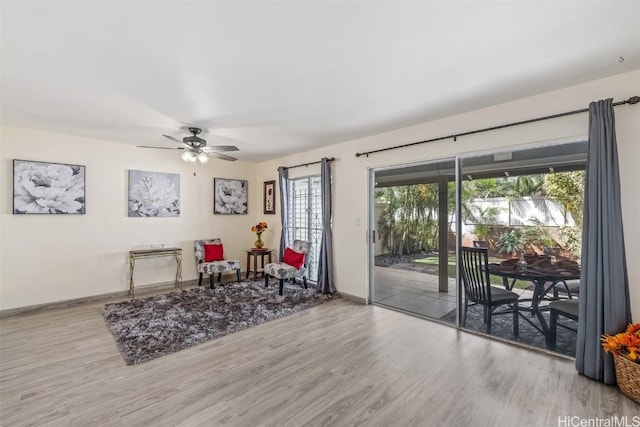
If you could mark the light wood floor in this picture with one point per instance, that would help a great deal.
(339, 363)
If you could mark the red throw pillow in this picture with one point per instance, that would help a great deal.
(213, 253)
(293, 258)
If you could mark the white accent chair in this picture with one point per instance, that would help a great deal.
(282, 271)
(213, 267)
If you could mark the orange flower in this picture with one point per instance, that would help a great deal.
(259, 227)
(626, 344)
(632, 329)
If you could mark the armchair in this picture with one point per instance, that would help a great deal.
(281, 270)
(213, 267)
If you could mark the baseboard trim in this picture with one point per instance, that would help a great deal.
(354, 298)
(140, 290)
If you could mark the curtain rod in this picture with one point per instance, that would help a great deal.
(307, 164)
(630, 101)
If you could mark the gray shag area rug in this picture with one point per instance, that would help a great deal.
(148, 328)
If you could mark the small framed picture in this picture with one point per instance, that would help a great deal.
(230, 196)
(48, 188)
(270, 197)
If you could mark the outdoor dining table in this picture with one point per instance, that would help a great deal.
(540, 277)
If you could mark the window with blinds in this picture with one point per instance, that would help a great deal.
(305, 217)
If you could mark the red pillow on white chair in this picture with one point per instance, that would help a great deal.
(213, 253)
(293, 258)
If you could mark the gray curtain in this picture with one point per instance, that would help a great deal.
(283, 180)
(604, 288)
(325, 262)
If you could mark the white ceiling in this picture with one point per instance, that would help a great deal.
(280, 77)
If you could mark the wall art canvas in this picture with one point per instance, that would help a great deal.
(154, 194)
(269, 197)
(230, 196)
(48, 188)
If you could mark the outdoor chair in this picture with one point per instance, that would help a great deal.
(216, 266)
(478, 289)
(566, 308)
(570, 287)
(283, 271)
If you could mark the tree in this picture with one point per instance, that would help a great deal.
(482, 188)
(526, 186)
(409, 223)
(567, 188)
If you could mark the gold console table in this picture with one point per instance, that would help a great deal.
(155, 253)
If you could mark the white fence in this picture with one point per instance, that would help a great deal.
(524, 211)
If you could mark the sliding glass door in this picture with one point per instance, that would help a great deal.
(522, 207)
(413, 223)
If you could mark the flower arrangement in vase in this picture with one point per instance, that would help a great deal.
(259, 228)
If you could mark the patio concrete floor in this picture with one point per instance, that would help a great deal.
(417, 292)
(413, 291)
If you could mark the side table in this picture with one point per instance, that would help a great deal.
(255, 253)
(154, 253)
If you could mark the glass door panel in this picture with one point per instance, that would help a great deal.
(525, 206)
(413, 253)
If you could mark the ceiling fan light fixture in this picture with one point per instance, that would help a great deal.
(188, 156)
(203, 158)
(196, 149)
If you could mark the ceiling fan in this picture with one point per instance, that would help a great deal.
(196, 148)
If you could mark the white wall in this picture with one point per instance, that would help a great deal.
(350, 173)
(46, 258)
(53, 258)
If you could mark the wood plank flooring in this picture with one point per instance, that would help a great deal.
(339, 363)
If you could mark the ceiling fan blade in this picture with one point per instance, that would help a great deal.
(172, 138)
(223, 148)
(177, 140)
(222, 156)
(160, 148)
